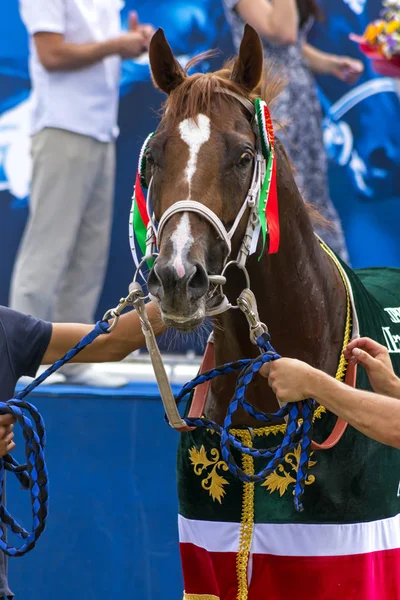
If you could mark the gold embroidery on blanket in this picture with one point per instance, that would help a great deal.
(247, 520)
(209, 464)
(281, 479)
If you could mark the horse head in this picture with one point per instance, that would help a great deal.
(199, 168)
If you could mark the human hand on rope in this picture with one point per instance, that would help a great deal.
(376, 360)
(7, 443)
(289, 378)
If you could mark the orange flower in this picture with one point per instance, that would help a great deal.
(373, 30)
(392, 26)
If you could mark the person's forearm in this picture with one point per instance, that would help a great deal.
(124, 339)
(77, 56)
(374, 415)
(395, 388)
(319, 62)
(275, 20)
(284, 19)
(66, 56)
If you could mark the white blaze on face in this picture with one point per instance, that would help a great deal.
(182, 240)
(194, 135)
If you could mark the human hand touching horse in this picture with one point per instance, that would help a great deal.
(293, 380)
(375, 359)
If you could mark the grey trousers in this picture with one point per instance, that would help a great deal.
(60, 268)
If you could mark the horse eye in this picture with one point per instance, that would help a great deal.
(149, 158)
(245, 159)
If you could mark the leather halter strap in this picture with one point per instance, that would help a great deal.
(201, 393)
(248, 104)
(200, 209)
(340, 425)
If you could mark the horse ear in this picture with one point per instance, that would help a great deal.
(167, 72)
(249, 65)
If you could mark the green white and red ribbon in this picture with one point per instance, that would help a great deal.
(268, 210)
(139, 217)
(138, 222)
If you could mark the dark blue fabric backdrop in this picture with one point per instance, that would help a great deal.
(361, 131)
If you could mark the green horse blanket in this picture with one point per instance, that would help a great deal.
(243, 541)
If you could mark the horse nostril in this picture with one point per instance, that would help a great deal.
(163, 282)
(154, 283)
(198, 282)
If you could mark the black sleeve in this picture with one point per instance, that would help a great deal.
(27, 339)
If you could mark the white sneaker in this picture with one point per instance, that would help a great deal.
(91, 378)
(53, 379)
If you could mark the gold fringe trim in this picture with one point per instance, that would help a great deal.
(199, 597)
(247, 522)
(342, 367)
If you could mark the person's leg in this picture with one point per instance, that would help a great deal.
(83, 280)
(60, 187)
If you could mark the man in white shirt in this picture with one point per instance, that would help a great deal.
(76, 50)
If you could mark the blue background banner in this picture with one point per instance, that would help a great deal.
(362, 133)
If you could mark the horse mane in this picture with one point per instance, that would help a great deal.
(194, 95)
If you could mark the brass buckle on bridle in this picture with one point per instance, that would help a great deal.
(248, 305)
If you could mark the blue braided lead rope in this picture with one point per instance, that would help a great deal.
(33, 475)
(296, 434)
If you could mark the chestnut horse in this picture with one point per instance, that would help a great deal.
(245, 540)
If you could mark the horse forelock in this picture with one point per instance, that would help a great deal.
(203, 93)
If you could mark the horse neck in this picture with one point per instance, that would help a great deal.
(300, 297)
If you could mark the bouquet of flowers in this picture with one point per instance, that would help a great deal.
(381, 40)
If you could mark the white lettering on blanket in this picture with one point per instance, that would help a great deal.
(392, 340)
(394, 314)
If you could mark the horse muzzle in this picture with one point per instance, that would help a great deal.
(181, 296)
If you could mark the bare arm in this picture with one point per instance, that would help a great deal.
(370, 413)
(115, 346)
(375, 415)
(275, 20)
(343, 67)
(318, 61)
(56, 54)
